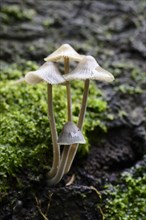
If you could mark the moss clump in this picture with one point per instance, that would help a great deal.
(127, 199)
(135, 74)
(25, 134)
(15, 71)
(130, 90)
(13, 13)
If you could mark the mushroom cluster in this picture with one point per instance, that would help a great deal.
(71, 135)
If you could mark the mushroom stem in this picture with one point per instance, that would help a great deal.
(56, 149)
(84, 104)
(69, 153)
(66, 70)
(73, 148)
(60, 172)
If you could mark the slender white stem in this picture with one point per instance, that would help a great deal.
(69, 153)
(84, 104)
(69, 103)
(64, 155)
(56, 149)
(60, 173)
(73, 148)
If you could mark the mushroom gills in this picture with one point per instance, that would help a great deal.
(71, 134)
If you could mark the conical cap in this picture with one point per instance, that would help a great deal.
(64, 51)
(88, 68)
(83, 70)
(71, 134)
(48, 72)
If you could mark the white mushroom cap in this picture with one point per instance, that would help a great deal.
(64, 51)
(71, 134)
(48, 72)
(102, 75)
(88, 68)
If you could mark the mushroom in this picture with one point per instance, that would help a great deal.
(88, 69)
(70, 134)
(65, 52)
(50, 74)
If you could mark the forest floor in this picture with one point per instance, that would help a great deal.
(114, 32)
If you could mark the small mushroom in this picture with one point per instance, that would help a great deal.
(50, 74)
(65, 52)
(70, 134)
(87, 69)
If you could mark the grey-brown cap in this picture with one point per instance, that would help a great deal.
(64, 51)
(88, 68)
(48, 72)
(71, 134)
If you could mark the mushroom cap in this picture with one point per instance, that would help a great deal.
(48, 72)
(102, 75)
(64, 51)
(88, 68)
(71, 134)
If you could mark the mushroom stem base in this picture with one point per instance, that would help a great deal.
(56, 149)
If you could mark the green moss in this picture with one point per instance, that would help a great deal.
(127, 199)
(10, 158)
(25, 107)
(131, 90)
(48, 22)
(130, 70)
(16, 13)
(25, 134)
(138, 76)
(122, 113)
(15, 71)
